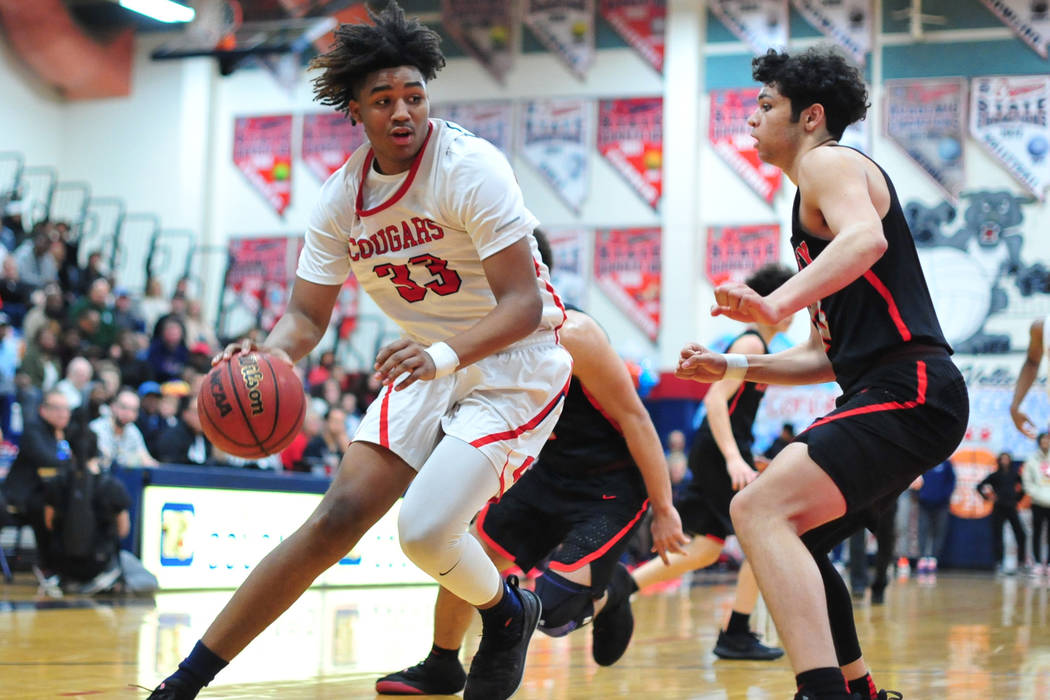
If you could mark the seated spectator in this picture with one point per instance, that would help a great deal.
(15, 293)
(119, 440)
(35, 262)
(76, 384)
(129, 351)
(150, 420)
(292, 456)
(125, 316)
(95, 269)
(677, 460)
(782, 440)
(44, 455)
(49, 307)
(177, 312)
(197, 331)
(104, 331)
(168, 352)
(183, 442)
(40, 361)
(11, 231)
(321, 371)
(325, 450)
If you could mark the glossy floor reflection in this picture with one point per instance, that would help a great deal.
(967, 636)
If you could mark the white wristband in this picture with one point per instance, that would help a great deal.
(736, 366)
(445, 359)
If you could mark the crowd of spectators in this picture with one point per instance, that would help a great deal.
(127, 368)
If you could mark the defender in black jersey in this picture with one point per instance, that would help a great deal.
(571, 515)
(904, 406)
(721, 463)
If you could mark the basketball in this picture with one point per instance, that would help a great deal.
(251, 405)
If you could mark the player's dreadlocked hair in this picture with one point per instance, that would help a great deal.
(767, 278)
(816, 76)
(361, 49)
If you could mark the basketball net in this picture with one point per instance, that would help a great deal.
(215, 24)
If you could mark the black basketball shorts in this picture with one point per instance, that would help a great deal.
(573, 521)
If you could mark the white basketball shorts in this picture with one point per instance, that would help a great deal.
(505, 405)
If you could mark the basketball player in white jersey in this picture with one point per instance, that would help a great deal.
(431, 222)
(1037, 348)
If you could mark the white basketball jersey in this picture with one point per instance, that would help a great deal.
(415, 240)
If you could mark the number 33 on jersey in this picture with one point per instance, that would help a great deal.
(415, 240)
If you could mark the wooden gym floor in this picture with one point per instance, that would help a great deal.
(966, 636)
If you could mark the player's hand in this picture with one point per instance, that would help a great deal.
(403, 357)
(248, 345)
(1023, 422)
(699, 364)
(740, 472)
(741, 303)
(667, 533)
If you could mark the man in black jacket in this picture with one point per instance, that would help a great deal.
(44, 455)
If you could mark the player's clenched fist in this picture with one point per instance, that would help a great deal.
(741, 303)
(700, 364)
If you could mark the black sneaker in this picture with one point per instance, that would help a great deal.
(424, 679)
(744, 645)
(878, 595)
(883, 695)
(614, 625)
(497, 668)
(172, 689)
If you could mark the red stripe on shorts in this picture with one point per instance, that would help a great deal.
(920, 399)
(536, 420)
(597, 554)
(384, 418)
(479, 525)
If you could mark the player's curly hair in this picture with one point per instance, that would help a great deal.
(768, 277)
(361, 49)
(820, 75)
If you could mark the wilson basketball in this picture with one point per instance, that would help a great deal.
(251, 405)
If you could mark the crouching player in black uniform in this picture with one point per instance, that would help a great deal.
(577, 505)
(721, 462)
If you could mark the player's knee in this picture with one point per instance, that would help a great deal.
(566, 604)
(427, 544)
(338, 524)
(743, 510)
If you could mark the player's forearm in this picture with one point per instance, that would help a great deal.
(849, 255)
(644, 446)
(296, 333)
(515, 316)
(1024, 382)
(795, 366)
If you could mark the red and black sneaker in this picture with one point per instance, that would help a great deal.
(428, 677)
(499, 665)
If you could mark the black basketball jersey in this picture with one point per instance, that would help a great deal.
(887, 306)
(585, 440)
(742, 405)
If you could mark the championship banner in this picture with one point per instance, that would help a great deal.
(1008, 117)
(489, 120)
(566, 28)
(627, 269)
(926, 118)
(486, 29)
(731, 138)
(630, 136)
(1029, 20)
(555, 139)
(641, 24)
(328, 140)
(567, 275)
(734, 252)
(761, 24)
(258, 281)
(262, 150)
(849, 23)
